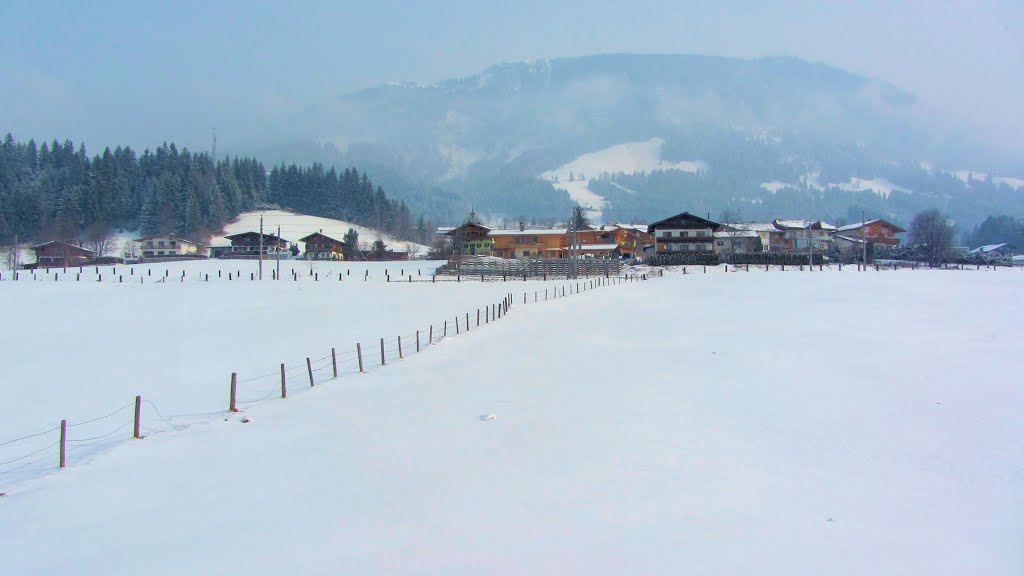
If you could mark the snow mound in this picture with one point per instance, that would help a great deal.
(628, 158)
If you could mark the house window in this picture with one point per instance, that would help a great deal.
(173, 243)
(161, 243)
(149, 244)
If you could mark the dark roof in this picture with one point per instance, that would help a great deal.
(72, 246)
(468, 225)
(684, 217)
(320, 234)
(266, 237)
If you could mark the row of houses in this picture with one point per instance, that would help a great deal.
(688, 233)
(612, 240)
(318, 246)
(682, 233)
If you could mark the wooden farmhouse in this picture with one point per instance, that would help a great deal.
(683, 234)
(248, 244)
(471, 239)
(61, 254)
(322, 247)
(873, 231)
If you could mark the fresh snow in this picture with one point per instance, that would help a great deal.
(295, 226)
(628, 158)
(774, 186)
(879, 186)
(875, 430)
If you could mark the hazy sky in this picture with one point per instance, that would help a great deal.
(141, 72)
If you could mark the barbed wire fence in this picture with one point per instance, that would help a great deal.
(53, 447)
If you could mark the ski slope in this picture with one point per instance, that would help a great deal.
(743, 423)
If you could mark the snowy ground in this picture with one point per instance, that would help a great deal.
(742, 423)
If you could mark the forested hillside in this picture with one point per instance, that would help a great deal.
(56, 190)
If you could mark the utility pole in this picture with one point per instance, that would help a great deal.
(261, 247)
(279, 256)
(864, 239)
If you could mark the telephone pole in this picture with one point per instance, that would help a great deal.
(261, 247)
(864, 239)
(279, 256)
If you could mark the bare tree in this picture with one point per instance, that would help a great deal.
(931, 233)
(129, 249)
(100, 238)
(730, 215)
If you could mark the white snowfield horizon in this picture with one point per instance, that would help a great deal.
(755, 423)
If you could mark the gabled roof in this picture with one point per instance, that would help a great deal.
(754, 226)
(803, 225)
(683, 217)
(467, 225)
(528, 232)
(320, 234)
(60, 243)
(57, 242)
(885, 223)
(737, 234)
(266, 237)
(850, 238)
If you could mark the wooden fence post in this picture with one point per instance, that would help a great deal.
(284, 384)
(456, 325)
(334, 357)
(234, 392)
(138, 414)
(382, 360)
(359, 353)
(309, 368)
(445, 335)
(431, 341)
(417, 341)
(63, 440)
(400, 356)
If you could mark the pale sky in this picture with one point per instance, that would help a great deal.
(140, 73)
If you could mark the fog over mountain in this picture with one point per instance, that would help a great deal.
(772, 136)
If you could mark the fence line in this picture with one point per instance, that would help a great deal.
(348, 363)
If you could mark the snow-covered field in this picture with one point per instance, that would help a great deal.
(741, 423)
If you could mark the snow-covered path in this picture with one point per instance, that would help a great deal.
(761, 423)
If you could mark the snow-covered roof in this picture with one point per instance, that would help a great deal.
(598, 246)
(804, 224)
(517, 232)
(857, 225)
(849, 238)
(987, 248)
(739, 234)
(755, 226)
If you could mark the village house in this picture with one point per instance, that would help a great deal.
(772, 238)
(875, 231)
(630, 239)
(322, 247)
(851, 246)
(169, 246)
(731, 241)
(683, 233)
(248, 244)
(992, 251)
(61, 254)
(527, 243)
(471, 239)
(799, 235)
